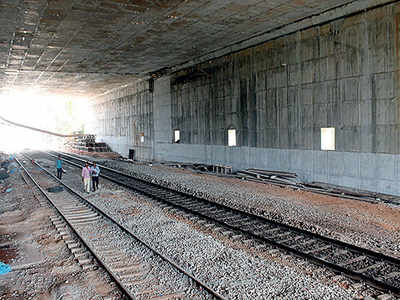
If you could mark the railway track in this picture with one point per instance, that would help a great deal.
(374, 268)
(121, 257)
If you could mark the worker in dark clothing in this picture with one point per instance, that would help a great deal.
(95, 171)
(59, 167)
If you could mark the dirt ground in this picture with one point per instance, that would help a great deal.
(42, 265)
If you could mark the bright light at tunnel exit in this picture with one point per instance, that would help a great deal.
(52, 113)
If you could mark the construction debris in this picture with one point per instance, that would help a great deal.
(200, 168)
(5, 163)
(86, 143)
(287, 179)
(266, 176)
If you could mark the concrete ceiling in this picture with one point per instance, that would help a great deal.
(87, 47)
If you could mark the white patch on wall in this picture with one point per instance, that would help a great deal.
(177, 136)
(231, 137)
(328, 138)
(142, 138)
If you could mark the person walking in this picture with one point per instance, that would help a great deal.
(86, 177)
(59, 167)
(95, 171)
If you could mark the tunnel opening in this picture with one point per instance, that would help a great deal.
(31, 120)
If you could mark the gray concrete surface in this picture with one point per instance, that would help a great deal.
(278, 96)
(124, 120)
(86, 48)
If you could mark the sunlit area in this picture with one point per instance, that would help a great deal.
(51, 113)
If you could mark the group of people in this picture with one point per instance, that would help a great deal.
(90, 175)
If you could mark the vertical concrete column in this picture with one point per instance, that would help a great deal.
(163, 134)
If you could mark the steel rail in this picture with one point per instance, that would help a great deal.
(128, 231)
(353, 247)
(125, 292)
(332, 266)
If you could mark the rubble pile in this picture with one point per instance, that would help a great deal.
(7, 167)
(86, 143)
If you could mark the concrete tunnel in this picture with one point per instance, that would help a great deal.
(310, 87)
(197, 149)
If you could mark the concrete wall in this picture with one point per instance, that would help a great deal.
(280, 94)
(124, 117)
(162, 119)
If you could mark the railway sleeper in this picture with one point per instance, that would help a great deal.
(73, 208)
(353, 260)
(132, 276)
(196, 207)
(122, 264)
(279, 237)
(63, 233)
(319, 249)
(251, 225)
(80, 213)
(69, 241)
(81, 216)
(85, 221)
(73, 245)
(370, 267)
(89, 267)
(58, 222)
(148, 280)
(114, 258)
(392, 275)
(130, 269)
(60, 227)
(267, 233)
(77, 250)
(237, 237)
(234, 222)
(81, 254)
(109, 252)
(261, 247)
(76, 210)
(185, 202)
(84, 261)
(307, 242)
(291, 240)
(173, 197)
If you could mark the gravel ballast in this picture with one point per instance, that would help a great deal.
(373, 226)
